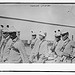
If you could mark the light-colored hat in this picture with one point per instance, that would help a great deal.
(33, 33)
(5, 28)
(64, 31)
(8, 28)
(57, 33)
(12, 29)
(41, 33)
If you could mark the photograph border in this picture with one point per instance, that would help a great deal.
(35, 3)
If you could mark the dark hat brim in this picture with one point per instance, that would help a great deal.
(63, 34)
(57, 36)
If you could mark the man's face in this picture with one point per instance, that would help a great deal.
(64, 37)
(5, 34)
(33, 36)
(41, 37)
(13, 35)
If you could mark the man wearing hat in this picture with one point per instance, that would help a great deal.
(4, 32)
(68, 46)
(54, 51)
(59, 50)
(1, 28)
(33, 39)
(59, 43)
(5, 38)
(65, 48)
(34, 51)
(16, 53)
(57, 39)
(43, 48)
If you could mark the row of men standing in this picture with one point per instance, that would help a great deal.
(13, 50)
(62, 50)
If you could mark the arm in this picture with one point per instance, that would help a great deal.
(73, 44)
(22, 51)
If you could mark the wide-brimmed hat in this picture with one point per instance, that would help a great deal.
(64, 32)
(33, 33)
(42, 33)
(57, 33)
(12, 29)
(5, 28)
(1, 26)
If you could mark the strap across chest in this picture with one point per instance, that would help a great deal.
(12, 47)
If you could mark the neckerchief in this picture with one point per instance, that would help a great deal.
(65, 44)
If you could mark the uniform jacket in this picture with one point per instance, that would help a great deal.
(17, 52)
(69, 47)
(58, 48)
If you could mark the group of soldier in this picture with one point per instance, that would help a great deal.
(62, 50)
(13, 50)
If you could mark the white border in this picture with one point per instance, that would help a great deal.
(57, 1)
(39, 67)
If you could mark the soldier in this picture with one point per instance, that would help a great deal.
(1, 37)
(68, 46)
(53, 52)
(43, 48)
(16, 53)
(59, 50)
(65, 48)
(33, 39)
(5, 38)
(57, 39)
(34, 51)
(59, 43)
(1, 28)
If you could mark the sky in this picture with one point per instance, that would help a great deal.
(51, 13)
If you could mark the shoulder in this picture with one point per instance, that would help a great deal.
(45, 42)
(18, 43)
(61, 42)
(10, 40)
